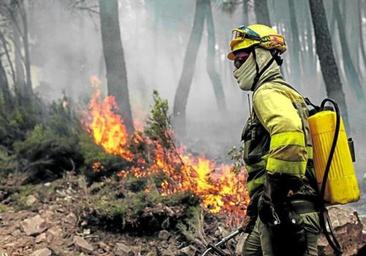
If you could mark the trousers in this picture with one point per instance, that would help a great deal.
(258, 243)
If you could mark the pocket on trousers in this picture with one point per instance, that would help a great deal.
(311, 222)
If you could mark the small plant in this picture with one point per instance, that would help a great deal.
(159, 124)
(192, 226)
(236, 154)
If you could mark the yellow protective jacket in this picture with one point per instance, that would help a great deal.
(276, 136)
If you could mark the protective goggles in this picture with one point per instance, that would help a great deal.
(244, 32)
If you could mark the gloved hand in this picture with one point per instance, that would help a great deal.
(273, 203)
(278, 187)
(284, 224)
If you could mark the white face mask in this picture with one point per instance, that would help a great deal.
(246, 73)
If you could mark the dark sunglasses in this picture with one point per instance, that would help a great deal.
(241, 57)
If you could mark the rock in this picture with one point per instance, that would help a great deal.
(31, 200)
(103, 246)
(164, 235)
(82, 244)
(164, 244)
(121, 249)
(42, 252)
(187, 251)
(168, 253)
(54, 234)
(34, 225)
(48, 215)
(348, 231)
(16, 232)
(41, 238)
(152, 244)
(71, 219)
(154, 251)
(86, 231)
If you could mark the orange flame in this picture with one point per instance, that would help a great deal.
(220, 189)
(106, 127)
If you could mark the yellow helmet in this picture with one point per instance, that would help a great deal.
(256, 34)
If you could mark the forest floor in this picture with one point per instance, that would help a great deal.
(50, 219)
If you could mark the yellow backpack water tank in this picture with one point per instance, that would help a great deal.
(342, 186)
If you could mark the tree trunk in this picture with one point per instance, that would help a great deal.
(185, 81)
(211, 60)
(310, 44)
(245, 12)
(305, 30)
(261, 12)
(4, 89)
(8, 58)
(332, 20)
(360, 26)
(296, 49)
(326, 57)
(349, 68)
(27, 62)
(114, 59)
(20, 85)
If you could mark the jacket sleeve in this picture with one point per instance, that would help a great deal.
(287, 153)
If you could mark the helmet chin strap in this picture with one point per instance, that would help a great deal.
(275, 57)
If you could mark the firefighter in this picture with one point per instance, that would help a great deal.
(283, 211)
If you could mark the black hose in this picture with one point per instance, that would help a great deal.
(332, 240)
(334, 144)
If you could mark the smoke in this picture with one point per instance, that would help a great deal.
(65, 48)
(66, 51)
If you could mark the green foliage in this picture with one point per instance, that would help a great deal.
(191, 227)
(237, 155)
(47, 154)
(44, 143)
(3, 208)
(108, 164)
(135, 184)
(19, 199)
(7, 162)
(62, 120)
(128, 207)
(159, 125)
(93, 152)
(15, 123)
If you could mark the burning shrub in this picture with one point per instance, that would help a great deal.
(153, 157)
